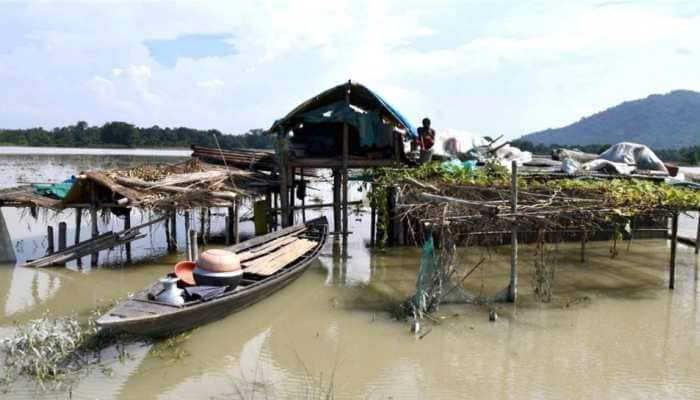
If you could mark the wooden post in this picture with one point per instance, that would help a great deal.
(697, 236)
(127, 225)
(336, 201)
(292, 193)
(78, 223)
(513, 287)
(62, 236)
(346, 151)
(168, 243)
(674, 243)
(195, 246)
(202, 222)
(283, 167)
(188, 242)
(208, 238)
(236, 222)
(303, 197)
(173, 231)
(49, 240)
(584, 239)
(227, 229)
(94, 258)
(372, 220)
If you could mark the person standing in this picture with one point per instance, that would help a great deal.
(426, 140)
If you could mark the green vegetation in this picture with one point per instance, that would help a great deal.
(686, 155)
(122, 134)
(669, 121)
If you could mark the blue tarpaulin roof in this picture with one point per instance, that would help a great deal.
(360, 96)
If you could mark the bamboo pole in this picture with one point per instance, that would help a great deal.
(336, 201)
(513, 287)
(173, 231)
(188, 242)
(674, 244)
(303, 197)
(78, 223)
(94, 258)
(168, 244)
(236, 223)
(346, 151)
(195, 246)
(697, 236)
(372, 221)
(49, 240)
(62, 232)
(283, 165)
(127, 225)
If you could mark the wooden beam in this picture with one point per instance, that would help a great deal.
(336, 201)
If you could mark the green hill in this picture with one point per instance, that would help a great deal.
(668, 121)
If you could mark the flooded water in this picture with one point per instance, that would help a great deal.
(613, 331)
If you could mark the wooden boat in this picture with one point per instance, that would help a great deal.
(141, 314)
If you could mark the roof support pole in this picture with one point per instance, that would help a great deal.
(188, 236)
(674, 244)
(336, 201)
(283, 167)
(697, 236)
(127, 225)
(62, 237)
(49, 240)
(513, 287)
(173, 231)
(346, 152)
(94, 258)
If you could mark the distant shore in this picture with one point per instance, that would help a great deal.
(142, 151)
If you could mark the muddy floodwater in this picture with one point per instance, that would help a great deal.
(613, 330)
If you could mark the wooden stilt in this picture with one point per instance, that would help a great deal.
(345, 178)
(227, 230)
(372, 222)
(195, 246)
(513, 287)
(283, 167)
(173, 231)
(62, 236)
(188, 242)
(292, 193)
(49, 240)
(208, 238)
(336, 202)
(584, 239)
(94, 258)
(127, 225)
(303, 195)
(236, 222)
(78, 223)
(697, 236)
(674, 244)
(78, 226)
(168, 243)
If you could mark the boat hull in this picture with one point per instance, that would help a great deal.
(169, 320)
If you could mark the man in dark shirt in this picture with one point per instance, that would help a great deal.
(426, 140)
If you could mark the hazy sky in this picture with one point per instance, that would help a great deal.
(488, 67)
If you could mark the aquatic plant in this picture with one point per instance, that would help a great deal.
(43, 349)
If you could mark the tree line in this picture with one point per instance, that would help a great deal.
(122, 134)
(687, 155)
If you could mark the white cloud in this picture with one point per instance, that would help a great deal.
(497, 68)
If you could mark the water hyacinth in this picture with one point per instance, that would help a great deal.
(43, 348)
